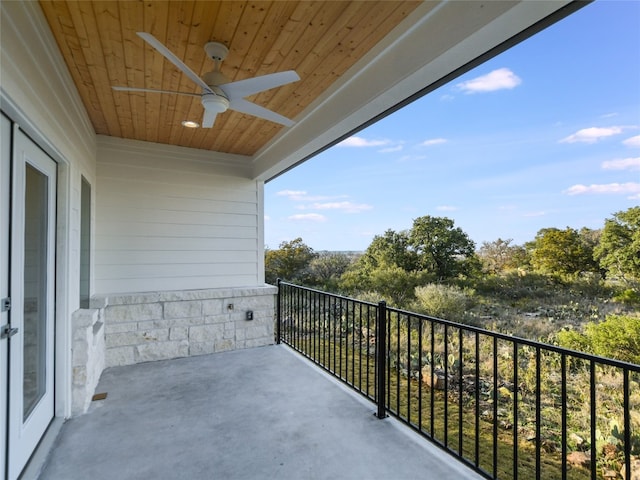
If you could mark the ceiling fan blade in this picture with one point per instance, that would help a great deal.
(245, 106)
(130, 89)
(249, 86)
(209, 118)
(168, 54)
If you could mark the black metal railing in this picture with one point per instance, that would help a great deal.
(507, 407)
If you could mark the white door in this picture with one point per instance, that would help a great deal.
(32, 272)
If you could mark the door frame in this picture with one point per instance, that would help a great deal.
(5, 214)
(64, 286)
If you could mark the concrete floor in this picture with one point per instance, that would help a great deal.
(250, 414)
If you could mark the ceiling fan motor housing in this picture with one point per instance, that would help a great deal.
(216, 51)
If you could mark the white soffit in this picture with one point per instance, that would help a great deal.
(428, 46)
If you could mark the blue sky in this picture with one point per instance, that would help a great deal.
(546, 134)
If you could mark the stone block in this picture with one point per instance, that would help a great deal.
(80, 353)
(256, 331)
(179, 333)
(161, 350)
(115, 357)
(211, 319)
(229, 331)
(133, 313)
(183, 309)
(206, 333)
(258, 342)
(79, 376)
(138, 337)
(224, 345)
(214, 307)
(196, 348)
(120, 327)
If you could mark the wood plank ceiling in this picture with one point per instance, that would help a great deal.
(319, 40)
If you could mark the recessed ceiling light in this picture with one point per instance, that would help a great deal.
(190, 124)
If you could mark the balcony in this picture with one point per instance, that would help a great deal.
(255, 413)
(499, 406)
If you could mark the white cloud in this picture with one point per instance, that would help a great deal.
(293, 194)
(500, 79)
(622, 164)
(347, 207)
(267, 218)
(312, 217)
(592, 134)
(632, 142)
(303, 196)
(362, 142)
(397, 148)
(614, 188)
(446, 208)
(433, 141)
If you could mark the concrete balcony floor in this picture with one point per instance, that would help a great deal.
(248, 414)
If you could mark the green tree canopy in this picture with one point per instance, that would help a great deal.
(619, 249)
(561, 252)
(327, 268)
(290, 262)
(442, 249)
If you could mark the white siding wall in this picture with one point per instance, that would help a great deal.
(171, 218)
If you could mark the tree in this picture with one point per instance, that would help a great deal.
(290, 262)
(561, 252)
(499, 256)
(442, 249)
(619, 249)
(327, 268)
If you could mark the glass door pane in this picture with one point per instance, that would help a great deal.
(35, 288)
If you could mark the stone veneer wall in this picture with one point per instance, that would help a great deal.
(87, 358)
(163, 325)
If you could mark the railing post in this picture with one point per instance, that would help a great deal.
(381, 359)
(278, 313)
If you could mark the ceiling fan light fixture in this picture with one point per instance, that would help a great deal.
(214, 103)
(190, 124)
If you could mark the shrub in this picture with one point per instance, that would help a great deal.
(443, 301)
(616, 337)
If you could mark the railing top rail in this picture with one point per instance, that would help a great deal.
(364, 302)
(502, 336)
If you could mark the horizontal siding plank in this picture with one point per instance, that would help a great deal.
(171, 283)
(120, 203)
(159, 230)
(176, 257)
(162, 162)
(175, 177)
(107, 243)
(140, 187)
(182, 218)
(111, 272)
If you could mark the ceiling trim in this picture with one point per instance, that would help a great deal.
(420, 55)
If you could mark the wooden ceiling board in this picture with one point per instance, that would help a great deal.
(320, 40)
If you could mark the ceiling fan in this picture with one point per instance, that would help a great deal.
(218, 93)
